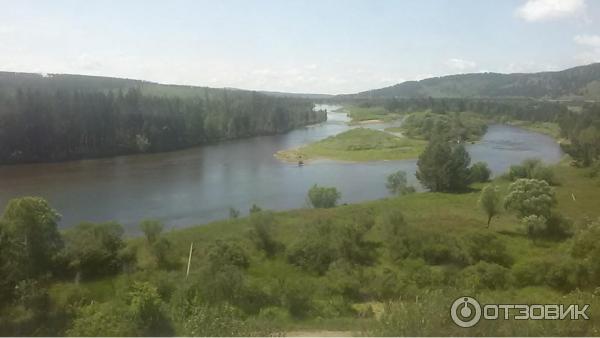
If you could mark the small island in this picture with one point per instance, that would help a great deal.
(358, 144)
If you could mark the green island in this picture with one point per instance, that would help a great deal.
(376, 114)
(358, 144)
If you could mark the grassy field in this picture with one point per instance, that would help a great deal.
(359, 144)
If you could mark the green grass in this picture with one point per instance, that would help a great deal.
(376, 113)
(359, 144)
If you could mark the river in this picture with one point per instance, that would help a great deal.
(199, 185)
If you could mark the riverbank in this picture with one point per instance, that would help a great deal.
(546, 128)
(359, 144)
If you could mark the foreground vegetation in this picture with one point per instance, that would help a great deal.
(359, 144)
(387, 267)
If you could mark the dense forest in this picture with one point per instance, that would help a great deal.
(498, 109)
(79, 117)
(574, 83)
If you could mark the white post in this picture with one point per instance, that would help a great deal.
(189, 260)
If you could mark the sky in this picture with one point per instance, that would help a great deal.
(318, 46)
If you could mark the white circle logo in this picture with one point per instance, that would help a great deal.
(465, 312)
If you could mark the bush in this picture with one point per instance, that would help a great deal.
(103, 319)
(262, 233)
(530, 197)
(397, 184)
(323, 197)
(94, 249)
(487, 247)
(354, 247)
(484, 275)
(316, 249)
(224, 320)
(532, 169)
(479, 172)
(297, 297)
(222, 254)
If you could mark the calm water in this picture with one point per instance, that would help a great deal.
(198, 185)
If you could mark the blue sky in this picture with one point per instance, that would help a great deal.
(314, 46)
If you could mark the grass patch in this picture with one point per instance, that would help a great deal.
(376, 113)
(358, 144)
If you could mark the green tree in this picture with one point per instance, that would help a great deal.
(490, 201)
(530, 197)
(323, 197)
(442, 167)
(33, 226)
(145, 308)
(397, 184)
(234, 213)
(254, 209)
(151, 229)
(480, 172)
(94, 249)
(458, 168)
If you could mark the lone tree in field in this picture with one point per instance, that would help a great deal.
(323, 197)
(530, 197)
(397, 184)
(442, 167)
(490, 202)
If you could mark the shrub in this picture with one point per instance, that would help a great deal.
(397, 184)
(94, 249)
(480, 172)
(103, 319)
(354, 247)
(254, 209)
(224, 320)
(530, 197)
(223, 254)
(487, 247)
(484, 275)
(532, 169)
(316, 249)
(261, 233)
(323, 197)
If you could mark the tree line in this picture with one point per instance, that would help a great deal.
(54, 125)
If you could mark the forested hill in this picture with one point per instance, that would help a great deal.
(575, 83)
(60, 117)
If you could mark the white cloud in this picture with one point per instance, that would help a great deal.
(540, 10)
(460, 65)
(588, 40)
(591, 48)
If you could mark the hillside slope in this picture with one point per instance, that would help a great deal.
(581, 82)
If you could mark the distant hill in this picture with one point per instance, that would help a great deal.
(574, 83)
(10, 82)
(298, 95)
